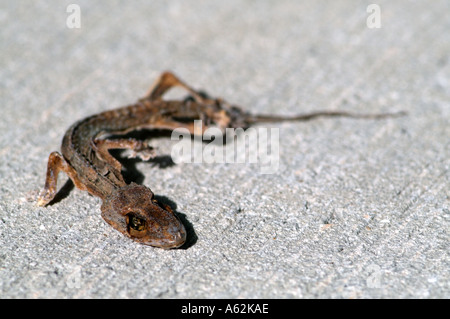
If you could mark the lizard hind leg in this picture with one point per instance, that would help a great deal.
(165, 82)
(56, 163)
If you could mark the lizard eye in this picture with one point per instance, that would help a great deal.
(135, 224)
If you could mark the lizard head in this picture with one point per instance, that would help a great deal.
(133, 211)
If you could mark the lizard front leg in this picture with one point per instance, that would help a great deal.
(57, 163)
(138, 148)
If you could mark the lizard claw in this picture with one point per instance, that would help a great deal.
(44, 198)
(144, 152)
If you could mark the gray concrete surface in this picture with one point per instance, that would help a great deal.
(357, 208)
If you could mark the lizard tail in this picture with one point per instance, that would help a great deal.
(309, 116)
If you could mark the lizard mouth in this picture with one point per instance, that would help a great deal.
(176, 240)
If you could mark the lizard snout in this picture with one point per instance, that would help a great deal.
(134, 212)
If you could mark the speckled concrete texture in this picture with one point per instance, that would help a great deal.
(356, 208)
